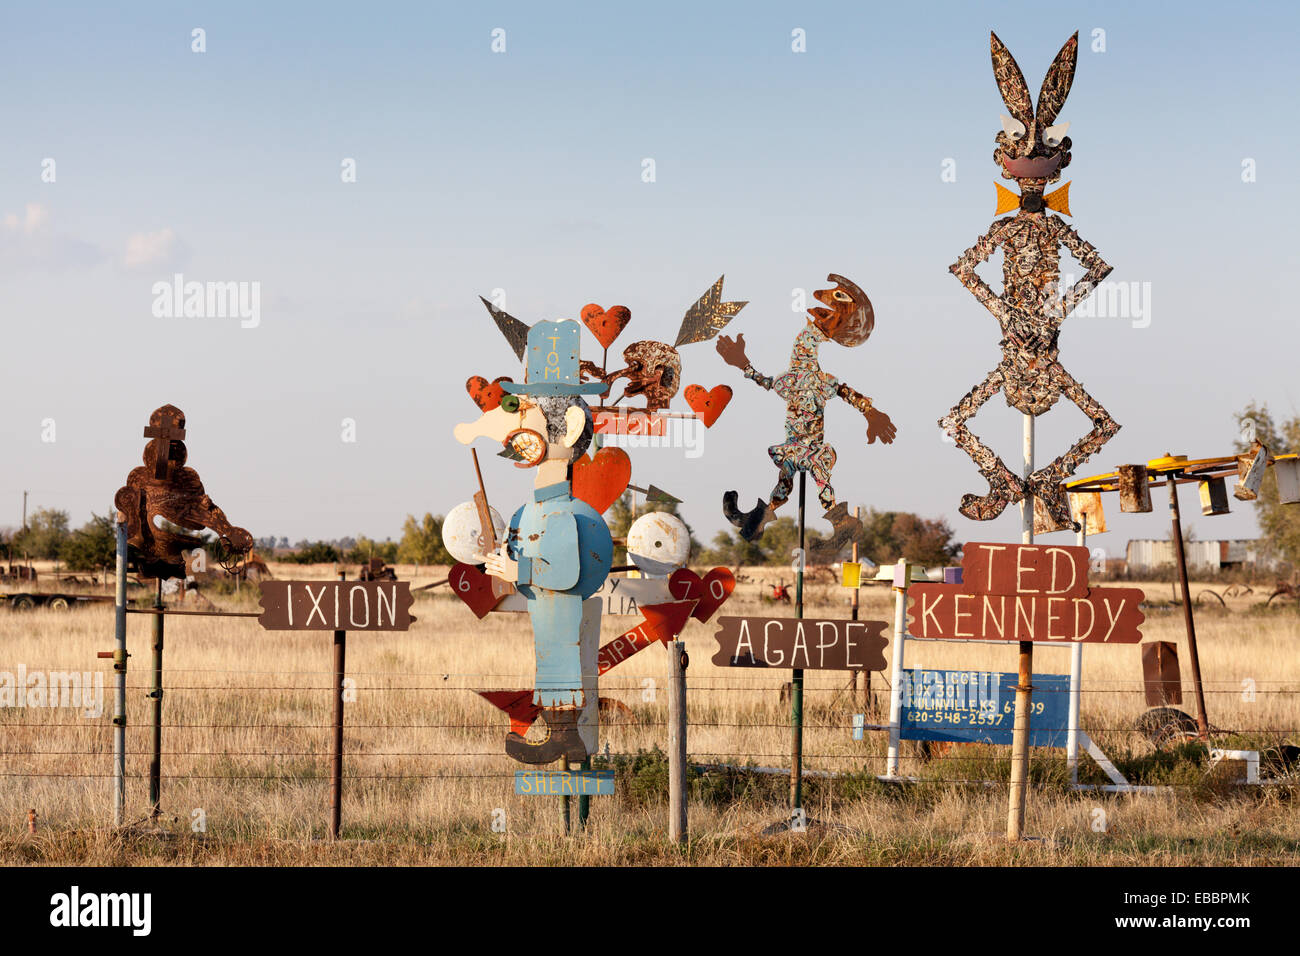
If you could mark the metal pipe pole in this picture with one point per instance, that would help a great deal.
(119, 677)
(336, 741)
(1024, 689)
(853, 615)
(677, 824)
(796, 680)
(156, 695)
(1076, 677)
(1202, 721)
(564, 800)
(901, 580)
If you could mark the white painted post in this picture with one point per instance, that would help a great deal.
(902, 575)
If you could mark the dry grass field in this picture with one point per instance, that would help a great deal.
(247, 711)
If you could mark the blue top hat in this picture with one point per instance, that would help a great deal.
(553, 349)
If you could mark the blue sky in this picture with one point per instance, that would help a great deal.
(521, 171)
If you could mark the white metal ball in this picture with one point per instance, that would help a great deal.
(462, 533)
(658, 543)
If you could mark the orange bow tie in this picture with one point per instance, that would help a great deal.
(1058, 200)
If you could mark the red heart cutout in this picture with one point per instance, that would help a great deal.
(709, 594)
(474, 588)
(708, 405)
(600, 479)
(487, 396)
(606, 324)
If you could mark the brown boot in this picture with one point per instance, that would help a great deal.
(561, 740)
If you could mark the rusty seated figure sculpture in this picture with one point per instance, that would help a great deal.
(165, 505)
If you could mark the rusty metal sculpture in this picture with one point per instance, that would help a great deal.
(847, 317)
(654, 369)
(1032, 149)
(166, 507)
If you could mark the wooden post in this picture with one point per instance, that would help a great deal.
(677, 825)
(155, 696)
(1202, 722)
(1076, 677)
(1024, 689)
(336, 748)
(796, 681)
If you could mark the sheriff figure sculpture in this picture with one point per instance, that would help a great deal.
(558, 548)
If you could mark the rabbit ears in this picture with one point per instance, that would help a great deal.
(1015, 93)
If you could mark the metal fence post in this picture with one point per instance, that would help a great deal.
(119, 677)
(336, 741)
(155, 696)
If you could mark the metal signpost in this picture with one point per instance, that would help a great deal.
(337, 606)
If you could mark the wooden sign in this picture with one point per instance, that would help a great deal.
(806, 643)
(336, 605)
(1025, 592)
(564, 783)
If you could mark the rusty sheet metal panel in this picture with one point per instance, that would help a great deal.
(1025, 592)
(336, 605)
(1214, 497)
(1134, 494)
(801, 643)
(1161, 678)
(1086, 508)
(1288, 480)
(1250, 471)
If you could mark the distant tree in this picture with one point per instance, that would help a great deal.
(367, 548)
(1280, 523)
(92, 546)
(317, 552)
(889, 536)
(733, 551)
(422, 542)
(45, 535)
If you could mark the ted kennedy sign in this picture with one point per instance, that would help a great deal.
(1025, 592)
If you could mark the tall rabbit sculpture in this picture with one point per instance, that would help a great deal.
(1032, 149)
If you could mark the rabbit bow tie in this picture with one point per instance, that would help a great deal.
(1059, 200)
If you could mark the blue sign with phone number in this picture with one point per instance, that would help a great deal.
(980, 707)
